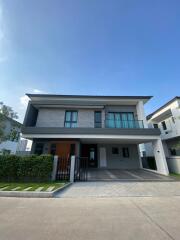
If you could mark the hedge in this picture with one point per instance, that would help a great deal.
(26, 168)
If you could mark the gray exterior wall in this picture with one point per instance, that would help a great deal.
(55, 118)
(48, 117)
(85, 118)
(118, 161)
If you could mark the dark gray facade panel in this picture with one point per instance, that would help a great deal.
(31, 116)
(105, 131)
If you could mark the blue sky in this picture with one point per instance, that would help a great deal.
(96, 47)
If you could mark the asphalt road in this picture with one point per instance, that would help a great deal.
(121, 218)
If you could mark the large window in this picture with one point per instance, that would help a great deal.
(70, 119)
(97, 119)
(121, 120)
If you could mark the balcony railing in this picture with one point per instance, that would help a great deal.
(109, 123)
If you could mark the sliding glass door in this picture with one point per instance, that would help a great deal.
(121, 120)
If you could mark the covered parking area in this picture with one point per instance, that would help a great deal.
(114, 167)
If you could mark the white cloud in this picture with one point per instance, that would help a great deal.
(38, 91)
(25, 99)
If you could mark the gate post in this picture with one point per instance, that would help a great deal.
(72, 169)
(54, 171)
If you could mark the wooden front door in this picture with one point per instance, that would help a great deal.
(63, 149)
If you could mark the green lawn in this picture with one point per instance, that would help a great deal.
(176, 175)
(34, 186)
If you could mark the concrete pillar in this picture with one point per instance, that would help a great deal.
(140, 113)
(160, 157)
(55, 164)
(72, 168)
(139, 153)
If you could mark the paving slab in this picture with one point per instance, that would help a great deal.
(27, 189)
(39, 189)
(1, 189)
(15, 189)
(49, 189)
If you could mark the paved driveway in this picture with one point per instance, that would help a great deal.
(125, 175)
(121, 189)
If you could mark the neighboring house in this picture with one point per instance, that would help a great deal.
(106, 129)
(167, 119)
(12, 129)
(24, 147)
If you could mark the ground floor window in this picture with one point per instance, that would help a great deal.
(125, 151)
(39, 148)
(115, 150)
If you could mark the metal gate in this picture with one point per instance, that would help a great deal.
(63, 169)
(81, 169)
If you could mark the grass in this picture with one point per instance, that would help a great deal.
(176, 175)
(34, 186)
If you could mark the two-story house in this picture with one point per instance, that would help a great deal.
(167, 119)
(106, 129)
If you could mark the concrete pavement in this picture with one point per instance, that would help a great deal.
(90, 218)
(121, 189)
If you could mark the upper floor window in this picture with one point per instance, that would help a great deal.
(121, 120)
(70, 119)
(164, 125)
(97, 119)
(155, 125)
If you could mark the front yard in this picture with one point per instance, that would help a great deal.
(37, 187)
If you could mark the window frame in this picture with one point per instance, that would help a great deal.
(124, 123)
(71, 122)
(97, 124)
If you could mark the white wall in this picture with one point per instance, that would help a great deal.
(9, 145)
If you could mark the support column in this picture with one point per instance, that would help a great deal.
(160, 157)
(55, 163)
(72, 169)
(139, 153)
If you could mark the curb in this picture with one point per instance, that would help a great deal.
(32, 194)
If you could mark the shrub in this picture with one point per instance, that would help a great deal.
(26, 168)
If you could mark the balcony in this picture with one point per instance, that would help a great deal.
(109, 123)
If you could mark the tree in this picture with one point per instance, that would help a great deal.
(7, 112)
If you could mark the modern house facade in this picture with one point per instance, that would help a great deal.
(105, 129)
(167, 119)
(11, 129)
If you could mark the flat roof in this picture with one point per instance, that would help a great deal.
(88, 96)
(163, 106)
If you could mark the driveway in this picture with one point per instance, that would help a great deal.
(125, 218)
(121, 189)
(124, 175)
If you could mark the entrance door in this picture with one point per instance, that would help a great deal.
(90, 151)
